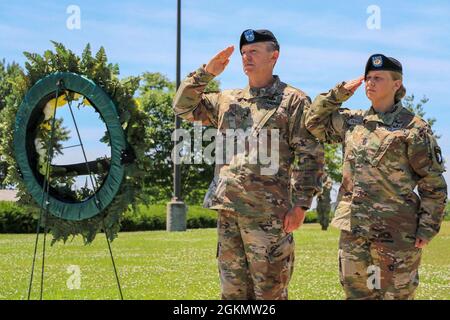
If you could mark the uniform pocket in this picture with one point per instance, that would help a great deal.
(379, 151)
(229, 120)
(283, 249)
(380, 141)
(406, 272)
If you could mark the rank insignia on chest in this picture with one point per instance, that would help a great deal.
(353, 121)
(395, 126)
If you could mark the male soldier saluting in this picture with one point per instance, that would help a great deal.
(256, 212)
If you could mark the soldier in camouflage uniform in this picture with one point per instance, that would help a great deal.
(257, 212)
(324, 203)
(388, 152)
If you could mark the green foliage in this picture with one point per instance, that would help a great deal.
(8, 74)
(417, 108)
(311, 217)
(16, 218)
(154, 218)
(333, 161)
(148, 122)
(157, 93)
(13, 86)
(132, 118)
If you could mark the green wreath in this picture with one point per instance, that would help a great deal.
(119, 177)
(26, 122)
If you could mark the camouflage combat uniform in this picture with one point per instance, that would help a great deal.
(324, 203)
(386, 156)
(255, 255)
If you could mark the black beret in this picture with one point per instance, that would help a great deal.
(381, 62)
(253, 36)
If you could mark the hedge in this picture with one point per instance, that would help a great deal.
(15, 218)
(154, 218)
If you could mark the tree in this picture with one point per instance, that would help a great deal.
(10, 75)
(12, 89)
(132, 119)
(333, 161)
(417, 108)
(156, 97)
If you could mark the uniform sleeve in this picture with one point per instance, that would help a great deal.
(307, 169)
(192, 104)
(426, 160)
(325, 120)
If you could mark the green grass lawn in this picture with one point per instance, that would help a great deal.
(161, 265)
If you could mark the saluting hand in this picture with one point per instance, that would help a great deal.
(353, 85)
(217, 64)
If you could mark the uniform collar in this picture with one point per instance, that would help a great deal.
(384, 117)
(270, 90)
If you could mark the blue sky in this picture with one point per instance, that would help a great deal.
(322, 42)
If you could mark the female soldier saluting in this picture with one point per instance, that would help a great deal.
(388, 152)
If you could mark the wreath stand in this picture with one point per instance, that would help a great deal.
(58, 84)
